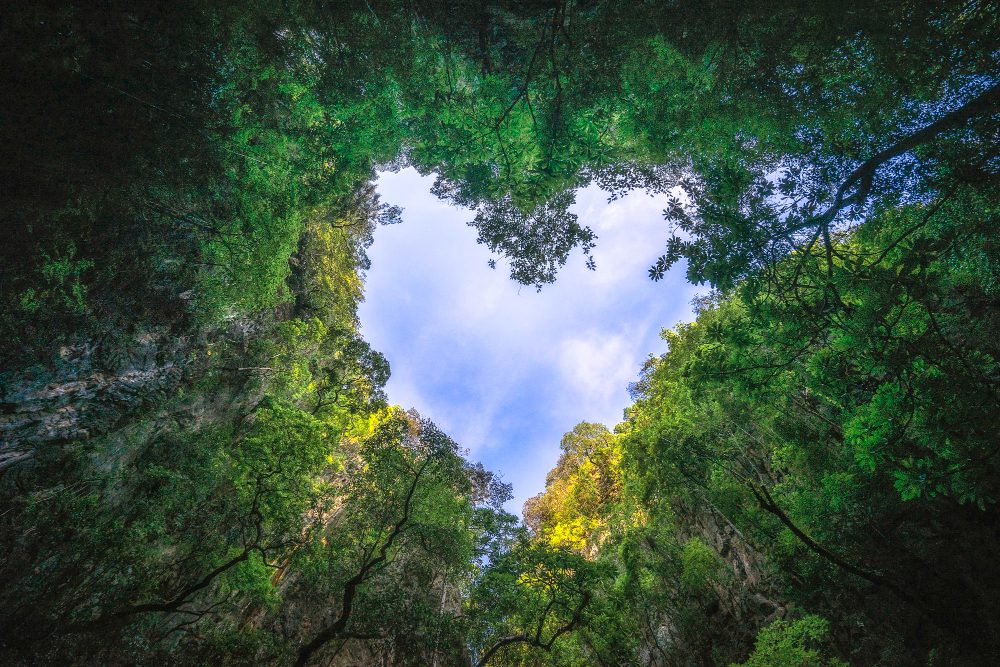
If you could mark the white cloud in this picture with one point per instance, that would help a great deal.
(503, 369)
(594, 370)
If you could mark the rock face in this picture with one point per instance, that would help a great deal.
(91, 387)
(743, 599)
(81, 395)
(750, 594)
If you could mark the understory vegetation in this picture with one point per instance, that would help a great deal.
(198, 460)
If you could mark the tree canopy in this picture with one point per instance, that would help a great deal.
(198, 460)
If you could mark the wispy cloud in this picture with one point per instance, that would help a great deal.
(503, 369)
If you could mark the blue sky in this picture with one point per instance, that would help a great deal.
(503, 369)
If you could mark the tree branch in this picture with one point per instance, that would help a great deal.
(338, 628)
(536, 639)
(861, 179)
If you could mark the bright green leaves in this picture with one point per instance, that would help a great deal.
(252, 580)
(574, 511)
(876, 425)
(701, 567)
(524, 602)
(796, 643)
(279, 460)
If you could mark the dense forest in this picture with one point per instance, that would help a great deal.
(198, 460)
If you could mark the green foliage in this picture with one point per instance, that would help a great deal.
(810, 416)
(523, 602)
(572, 511)
(204, 171)
(410, 517)
(700, 566)
(60, 287)
(792, 644)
